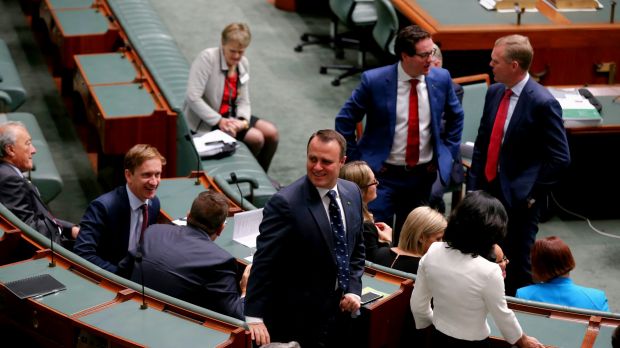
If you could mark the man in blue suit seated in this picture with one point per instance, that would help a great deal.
(113, 223)
(184, 262)
(306, 277)
(552, 262)
(520, 151)
(403, 104)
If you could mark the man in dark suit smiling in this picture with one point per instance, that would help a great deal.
(306, 277)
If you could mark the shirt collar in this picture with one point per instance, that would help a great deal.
(403, 76)
(323, 191)
(134, 201)
(518, 88)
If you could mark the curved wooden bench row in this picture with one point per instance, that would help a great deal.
(99, 306)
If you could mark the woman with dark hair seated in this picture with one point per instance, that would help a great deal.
(464, 285)
(423, 226)
(377, 235)
(552, 262)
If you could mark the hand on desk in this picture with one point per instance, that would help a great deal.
(259, 333)
(350, 303)
(385, 232)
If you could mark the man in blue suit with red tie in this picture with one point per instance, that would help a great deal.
(402, 142)
(520, 151)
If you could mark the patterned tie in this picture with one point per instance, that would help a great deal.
(145, 220)
(341, 242)
(412, 153)
(490, 170)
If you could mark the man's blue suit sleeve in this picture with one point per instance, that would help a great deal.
(353, 111)
(92, 227)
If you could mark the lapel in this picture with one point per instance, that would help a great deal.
(317, 210)
(349, 214)
(520, 110)
(391, 88)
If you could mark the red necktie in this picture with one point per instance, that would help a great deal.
(490, 170)
(145, 220)
(413, 136)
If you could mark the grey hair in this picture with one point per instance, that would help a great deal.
(8, 136)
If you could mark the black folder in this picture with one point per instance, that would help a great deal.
(36, 286)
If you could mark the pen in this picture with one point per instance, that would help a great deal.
(45, 294)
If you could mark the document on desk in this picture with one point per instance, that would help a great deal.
(246, 227)
(211, 143)
(576, 109)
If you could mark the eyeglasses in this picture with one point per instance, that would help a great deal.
(373, 183)
(504, 260)
(425, 55)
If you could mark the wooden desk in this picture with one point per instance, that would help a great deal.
(590, 186)
(122, 105)
(96, 310)
(562, 41)
(74, 27)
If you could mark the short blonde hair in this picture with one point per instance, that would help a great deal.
(238, 33)
(139, 154)
(422, 221)
(517, 48)
(360, 173)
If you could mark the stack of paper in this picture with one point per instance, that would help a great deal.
(577, 111)
(211, 143)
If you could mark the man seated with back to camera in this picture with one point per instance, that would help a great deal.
(184, 262)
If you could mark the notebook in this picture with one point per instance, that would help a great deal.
(36, 286)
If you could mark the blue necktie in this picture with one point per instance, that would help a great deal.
(340, 240)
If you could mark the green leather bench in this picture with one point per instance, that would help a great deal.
(45, 174)
(170, 69)
(12, 92)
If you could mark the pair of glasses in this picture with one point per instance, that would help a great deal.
(425, 55)
(373, 183)
(504, 260)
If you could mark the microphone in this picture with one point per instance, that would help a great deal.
(233, 177)
(139, 261)
(188, 136)
(52, 263)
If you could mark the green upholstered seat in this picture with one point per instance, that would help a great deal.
(170, 69)
(45, 175)
(473, 98)
(12, 92)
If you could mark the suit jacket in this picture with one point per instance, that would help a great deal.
(22, 198)
(183, 262)
(534, 151)
(294, 269)
(562, 291)
(375, 98)
(205, 89)
(104, 230)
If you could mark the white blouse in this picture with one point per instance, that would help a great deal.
(464, 290)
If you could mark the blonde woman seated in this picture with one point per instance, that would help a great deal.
(377, 235)
(218, 95)
(423, 227)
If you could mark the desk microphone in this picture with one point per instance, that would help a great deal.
(234, 179)
(188, 136)
(139, 262)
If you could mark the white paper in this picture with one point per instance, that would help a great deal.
(246, 227)
(210, 143)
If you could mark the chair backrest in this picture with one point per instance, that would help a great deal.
(354, 12)
(386, 28)
(475, 88)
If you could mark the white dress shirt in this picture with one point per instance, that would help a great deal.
(401, 130)
(464, 290)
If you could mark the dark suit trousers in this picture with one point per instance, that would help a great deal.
(522, 230)
(326, 327)
(399, 192)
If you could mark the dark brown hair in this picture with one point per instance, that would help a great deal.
(327, 135)
(208, 211)
(407, 38)
(551, 257)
